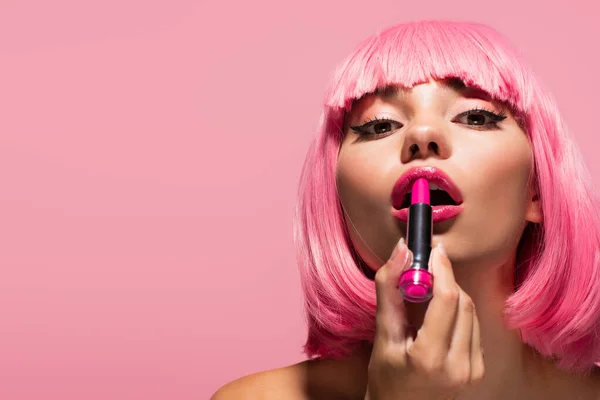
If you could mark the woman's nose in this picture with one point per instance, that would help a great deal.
(425, 139)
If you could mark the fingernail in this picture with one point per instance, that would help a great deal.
(433, 257)
(438, 251)
(397, 248)
(408, 260)
(409, 342)
(441, 249)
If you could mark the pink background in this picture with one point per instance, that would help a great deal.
(149, 157)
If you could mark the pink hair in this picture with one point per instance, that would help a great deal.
(556, 304)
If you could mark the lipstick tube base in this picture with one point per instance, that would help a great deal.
(416, 285)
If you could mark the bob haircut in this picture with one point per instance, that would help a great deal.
(556, 302)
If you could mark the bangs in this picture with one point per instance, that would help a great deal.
(424, 50)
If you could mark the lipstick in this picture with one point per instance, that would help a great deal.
(416, 283)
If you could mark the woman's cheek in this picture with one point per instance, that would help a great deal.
(500, 198)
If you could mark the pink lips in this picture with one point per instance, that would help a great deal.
(434, 176)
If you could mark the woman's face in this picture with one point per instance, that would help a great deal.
(487, 159)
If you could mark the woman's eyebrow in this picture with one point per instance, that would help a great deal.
(456, 85)
(460, 87)
(476, 93)
(389, 91)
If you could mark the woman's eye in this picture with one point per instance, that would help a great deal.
(479, 118)
(377, 127)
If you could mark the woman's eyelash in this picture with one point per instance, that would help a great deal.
(363, 129)
(495, 119)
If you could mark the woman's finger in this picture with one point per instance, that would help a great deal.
(438, 324)
(390, 304)
(477, 364)
(462, 337)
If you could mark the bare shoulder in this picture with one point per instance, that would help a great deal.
(281, 383)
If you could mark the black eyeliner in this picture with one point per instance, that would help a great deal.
(361, 129)
(496, 117)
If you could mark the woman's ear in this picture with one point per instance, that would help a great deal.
(534, 208)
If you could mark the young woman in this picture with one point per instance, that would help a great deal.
(515, 312)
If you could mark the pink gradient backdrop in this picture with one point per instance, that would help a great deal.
(149, 156)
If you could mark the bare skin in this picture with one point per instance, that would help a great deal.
(347, 380)
(528, 377)
(477, 263)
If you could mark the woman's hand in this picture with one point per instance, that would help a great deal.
(444, 357)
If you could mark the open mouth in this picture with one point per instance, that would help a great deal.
(438, 197)
(445, 197)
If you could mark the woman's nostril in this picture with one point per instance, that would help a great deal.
(413, 149)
